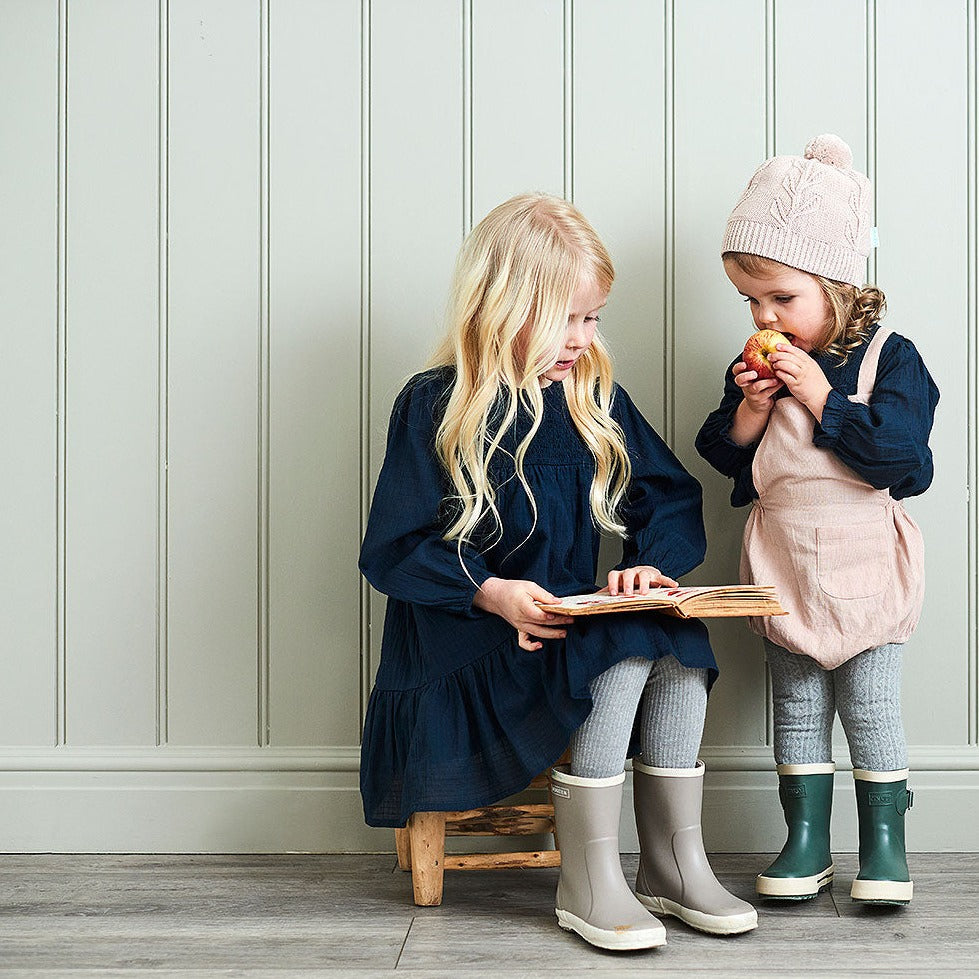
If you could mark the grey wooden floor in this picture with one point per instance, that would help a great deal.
(299, 915)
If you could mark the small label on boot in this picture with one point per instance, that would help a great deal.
(561, 791)
(880, 798)
(794, 791)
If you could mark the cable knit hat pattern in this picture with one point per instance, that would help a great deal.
(811, 212)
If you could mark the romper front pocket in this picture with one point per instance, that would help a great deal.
(853, 559)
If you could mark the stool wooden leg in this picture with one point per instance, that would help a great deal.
(427, 834)
(402, 843)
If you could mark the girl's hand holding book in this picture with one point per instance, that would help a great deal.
(637, 581)
(515, 601)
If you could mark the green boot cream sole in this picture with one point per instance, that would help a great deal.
(805, 865)
(882, 800)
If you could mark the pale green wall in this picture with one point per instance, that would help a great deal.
(226, 234)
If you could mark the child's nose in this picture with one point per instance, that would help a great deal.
(576, 334)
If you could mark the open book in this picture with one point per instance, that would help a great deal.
(716, 601)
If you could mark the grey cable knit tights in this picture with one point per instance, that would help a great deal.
(865, 690)
(673, 705)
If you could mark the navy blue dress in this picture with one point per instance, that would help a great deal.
(460, 715)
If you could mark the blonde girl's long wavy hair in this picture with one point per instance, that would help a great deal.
(515, 280)
(853, 309)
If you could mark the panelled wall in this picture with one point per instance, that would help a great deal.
(227, 229)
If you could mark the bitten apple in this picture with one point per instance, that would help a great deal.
(758, 349)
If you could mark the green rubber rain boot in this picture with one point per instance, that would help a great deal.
(805, 865)
(882, 800)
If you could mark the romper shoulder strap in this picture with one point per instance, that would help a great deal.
(868, 368)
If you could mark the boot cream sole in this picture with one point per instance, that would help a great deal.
(794, 888)
(713, 924)
(622, 941)
(882, 891)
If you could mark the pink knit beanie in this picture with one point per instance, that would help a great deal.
(811, 212)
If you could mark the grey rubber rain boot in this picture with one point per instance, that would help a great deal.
(593, 898)
(674, 875)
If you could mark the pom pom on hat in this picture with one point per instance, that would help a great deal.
(830, 149)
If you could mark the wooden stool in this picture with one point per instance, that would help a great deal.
(421, 844)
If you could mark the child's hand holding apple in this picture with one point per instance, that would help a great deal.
(802, 376)
(754, 373)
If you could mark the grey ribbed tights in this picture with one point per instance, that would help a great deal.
(672, 700)
(865, 691)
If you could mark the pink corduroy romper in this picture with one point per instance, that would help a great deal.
(846, 559)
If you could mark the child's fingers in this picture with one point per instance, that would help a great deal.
(654, 577)
(622, 582)
(538, 594)
(645, 578)
(525, 641)
(535, 616)
(639, 580)
(544, 632)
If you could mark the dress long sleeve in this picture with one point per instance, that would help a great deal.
(663, 512)
(714, 443)
(404, 554)
(886, 441)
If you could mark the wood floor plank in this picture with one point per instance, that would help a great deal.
(156, 942)
(622, 966)
(795, 945)
(309, 916)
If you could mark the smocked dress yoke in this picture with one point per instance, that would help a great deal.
(460, 716)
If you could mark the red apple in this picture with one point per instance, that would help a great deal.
(758, 349)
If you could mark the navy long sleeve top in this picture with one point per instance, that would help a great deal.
(460, 715)
(885, 442)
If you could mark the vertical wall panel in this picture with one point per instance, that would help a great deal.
(214, 298)
(806, 46)
(922, 187)
(29, 370)
(620, 142)
(518, 100)
(315, 370)
(719, 113)
(112, 373)
(416, 196)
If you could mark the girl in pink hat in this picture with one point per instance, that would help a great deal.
(825, 451)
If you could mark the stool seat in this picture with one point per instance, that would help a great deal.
(421, 843)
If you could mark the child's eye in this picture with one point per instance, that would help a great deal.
(593, 319)
(748, 299)
(784, 299)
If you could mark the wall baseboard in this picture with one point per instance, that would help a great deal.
(251, 801)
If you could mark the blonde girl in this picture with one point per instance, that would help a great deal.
(506, 461)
